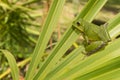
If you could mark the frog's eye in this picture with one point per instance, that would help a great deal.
(78, 24)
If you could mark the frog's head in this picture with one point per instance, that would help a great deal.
(79, 22)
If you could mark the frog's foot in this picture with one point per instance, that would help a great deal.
(84, 55)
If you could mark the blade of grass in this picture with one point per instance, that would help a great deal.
(86, 9)
(12, 63)
(48, 27)
(114, 26)
(111, 65)
(115, 32)
(20, 64)
(50, 62)
(68, 39)
(89, 64)
(113, 22)
(95, 9)
(70, 58)
(112, 75)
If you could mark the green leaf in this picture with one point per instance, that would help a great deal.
(12, 63)
(67, 40)
(48, 27)
(108, 66)
(74, 57)
(91, 9)
(95, 63)
(111, 75)
(114, 26)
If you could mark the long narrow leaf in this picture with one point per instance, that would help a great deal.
(50, 62)
(68, 39)
(20, 64)
(89, 64)
(12, 63)
(111, 65)
(114, 26)
(112, 75)
(70, 58)
(48, 28)
(95, 9)
(86, 9)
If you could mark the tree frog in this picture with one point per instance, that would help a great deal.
(95, 37)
